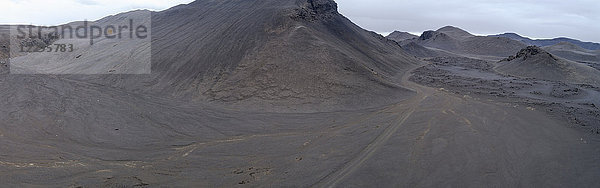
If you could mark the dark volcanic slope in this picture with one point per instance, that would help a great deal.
(279, 52)
(129, 130)
(460, 42)
(549, 42)
(268, 54)
(400, 36)
(537, 63)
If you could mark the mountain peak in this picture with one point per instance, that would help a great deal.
(455, 32)
(399, 36)
(316, 9)
(322, 6)
(534, 62)
(449, 27)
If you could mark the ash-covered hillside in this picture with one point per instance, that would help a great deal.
(537, 63)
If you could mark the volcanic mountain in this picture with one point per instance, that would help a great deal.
(460, 42)
(276, 93)
(293, 51)
(219, 70)
(282, 53)
(455, 32)
(400, 36)
(534, 62)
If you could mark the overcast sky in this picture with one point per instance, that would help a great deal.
(578, 19)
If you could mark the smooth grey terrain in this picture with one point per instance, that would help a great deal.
(290, 93)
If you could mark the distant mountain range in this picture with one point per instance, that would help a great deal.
(459, 42)
(573, 52)
(462, 43)
(549, 42)
(400, 36)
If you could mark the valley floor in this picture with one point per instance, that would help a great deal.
(438, 137)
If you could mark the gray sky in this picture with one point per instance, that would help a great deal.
(53, 12)
(579, 19)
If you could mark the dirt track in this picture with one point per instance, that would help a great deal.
(403, 110)
(461, 141)
(434, 138)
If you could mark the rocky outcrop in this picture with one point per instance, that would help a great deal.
(323, 6)
(312, 10)
(428, 34)
(529, 52)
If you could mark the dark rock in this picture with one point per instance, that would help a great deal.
(528, 52)
(428, 34)
(313, 10)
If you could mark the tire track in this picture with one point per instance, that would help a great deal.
(333, 179)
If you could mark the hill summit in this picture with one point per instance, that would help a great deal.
(400, 36)
(455, 32)
(531, 52)
(535, 62)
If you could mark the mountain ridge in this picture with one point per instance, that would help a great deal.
(461, 42)
(549, 42)
(573, 52)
